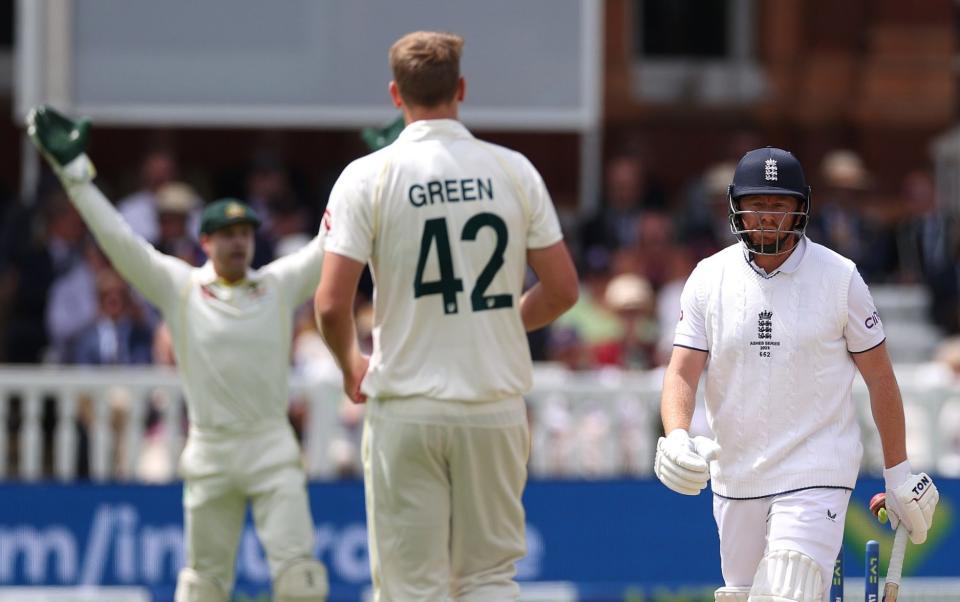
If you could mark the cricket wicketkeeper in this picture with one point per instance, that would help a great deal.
(231, 328)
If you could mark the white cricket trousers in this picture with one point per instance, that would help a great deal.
(443, 483)
(222, 471)
(808, 521)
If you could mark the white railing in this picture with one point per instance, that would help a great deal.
(111, 405)
(596, 424)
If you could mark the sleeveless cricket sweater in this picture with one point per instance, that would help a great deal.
(779, 374)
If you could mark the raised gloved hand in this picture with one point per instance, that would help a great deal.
(62, 142)
(911, 499)
(682, 463)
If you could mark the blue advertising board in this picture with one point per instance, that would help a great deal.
(622, 539)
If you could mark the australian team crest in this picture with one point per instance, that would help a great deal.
(235, 210)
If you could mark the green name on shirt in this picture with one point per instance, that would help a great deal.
(450, 191)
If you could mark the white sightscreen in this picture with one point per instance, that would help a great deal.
(529, 64)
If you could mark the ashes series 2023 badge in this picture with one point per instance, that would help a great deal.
(765, 334)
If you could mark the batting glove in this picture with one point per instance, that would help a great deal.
(682, 463)
(62, 142)
(911, 499)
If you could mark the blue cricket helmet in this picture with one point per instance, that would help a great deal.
(769, 171)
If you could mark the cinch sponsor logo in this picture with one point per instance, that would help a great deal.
(872, 320)
(122, 548)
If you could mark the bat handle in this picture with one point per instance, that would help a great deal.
(891, 588)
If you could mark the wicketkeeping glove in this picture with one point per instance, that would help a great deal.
(682, 463)
(62, 142)
(911, 499)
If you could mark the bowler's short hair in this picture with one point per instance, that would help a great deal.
(426, 67)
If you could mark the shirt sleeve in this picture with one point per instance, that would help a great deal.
(160, 278)
(864, 330)
(348, 218)
(691, 328)
(544, 227)
(299, 273)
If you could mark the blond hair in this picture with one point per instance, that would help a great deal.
(426, 67)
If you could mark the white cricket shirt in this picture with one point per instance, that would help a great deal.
(232, 342)
(445, 221)
(779, 370)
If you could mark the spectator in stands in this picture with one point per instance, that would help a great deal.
(117, 337)
(289, 227)
(705, 223)
(176, 202)
(628, 193)
(38, 248)
(631, 298)
(929, 247)
(592, 321)
(565, 348)
(72, 303)
(159, 167)
(919, 226)
(668, 300)
(655, 247)
(271, 194)
(843, 221)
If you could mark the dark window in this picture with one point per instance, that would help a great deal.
(682, 28)
(6, 25)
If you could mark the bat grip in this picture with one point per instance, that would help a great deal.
(891, 587)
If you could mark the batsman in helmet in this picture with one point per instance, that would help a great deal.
(779, 325)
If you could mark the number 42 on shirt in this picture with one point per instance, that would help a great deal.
(448, 285)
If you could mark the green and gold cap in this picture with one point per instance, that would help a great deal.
(227, 212)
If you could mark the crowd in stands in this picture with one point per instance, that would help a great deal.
(636, 251)
(61, 303)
